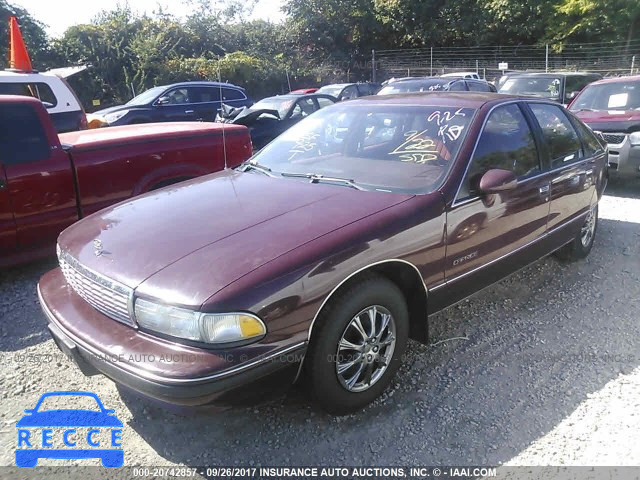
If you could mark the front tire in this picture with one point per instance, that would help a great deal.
(357, 345)
(582, 244)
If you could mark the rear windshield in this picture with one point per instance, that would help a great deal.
(399, 148)
(609, 96)
(547, 87)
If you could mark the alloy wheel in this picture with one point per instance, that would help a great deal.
(366, 348)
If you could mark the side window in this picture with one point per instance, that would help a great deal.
(208, 94)
(457, 86)
(559, 134)
(592, 145)
(232, 94)
(478, 86)
(573, 85)
(506, 143)
(179, 96)
(41, 91)
(349, 93)
(22, 137)
(324, 102)
(307, 107)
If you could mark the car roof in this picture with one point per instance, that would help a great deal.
(628, 78)
(449, 99)
(200, 84)
(548, 74)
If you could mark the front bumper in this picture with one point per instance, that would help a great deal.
(168, 372)
(624, 160)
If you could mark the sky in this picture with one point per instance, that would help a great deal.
(61, 14)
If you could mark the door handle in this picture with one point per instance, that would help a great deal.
(2, 184)
(188, 112)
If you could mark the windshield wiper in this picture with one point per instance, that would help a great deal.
(249, 165)
(317, 178)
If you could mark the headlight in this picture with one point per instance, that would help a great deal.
(115, 116)
(213, 328)
(634, 138)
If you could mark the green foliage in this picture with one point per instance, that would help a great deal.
(321, 41)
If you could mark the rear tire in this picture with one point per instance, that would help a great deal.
(352, 360)
(582, 244)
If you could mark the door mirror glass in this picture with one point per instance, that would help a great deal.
(497, 180)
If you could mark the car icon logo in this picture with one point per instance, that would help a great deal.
(92, 431)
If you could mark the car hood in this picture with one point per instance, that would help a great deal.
(608, 119)
(117, 108)
(209, 232)
(248, 116)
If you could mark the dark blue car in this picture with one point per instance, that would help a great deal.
(31, 448)
(180, 102)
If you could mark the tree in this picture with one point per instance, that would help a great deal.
(596, 20)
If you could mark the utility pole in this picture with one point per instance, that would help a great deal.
(373, 66)
(546, 58)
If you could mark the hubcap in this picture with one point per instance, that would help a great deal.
(366, 348)
(589, 228)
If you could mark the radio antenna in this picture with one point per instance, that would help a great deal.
(224, 138)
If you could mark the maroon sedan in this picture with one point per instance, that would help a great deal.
(325, 252)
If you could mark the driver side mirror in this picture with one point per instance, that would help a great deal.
(164, 101)
(497, 180)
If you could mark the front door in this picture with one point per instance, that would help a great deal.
(177, 105)
(38, 176)
(483, 229)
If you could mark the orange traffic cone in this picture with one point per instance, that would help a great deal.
(19, 56)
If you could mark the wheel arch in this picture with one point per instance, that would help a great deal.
(408, 279)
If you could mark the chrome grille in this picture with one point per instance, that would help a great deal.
(108, 297)
(614, 138)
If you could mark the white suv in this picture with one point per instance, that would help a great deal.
(55, 93)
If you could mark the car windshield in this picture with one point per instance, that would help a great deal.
(282, 105)
(406, 149)
(548, 87)
(433, 85)
(146, 97)
(609, 96)
(333, 90)
(69, 402)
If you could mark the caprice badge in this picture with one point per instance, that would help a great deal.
(97, 247)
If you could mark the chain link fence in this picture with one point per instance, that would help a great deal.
(608, 59)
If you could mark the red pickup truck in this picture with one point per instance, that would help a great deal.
(48, 181)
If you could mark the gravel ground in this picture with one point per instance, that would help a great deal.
(545, 370)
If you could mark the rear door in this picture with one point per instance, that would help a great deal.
(207, 103)
(38, 176)
(7, 223)
(482, 228)
(571, 187)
